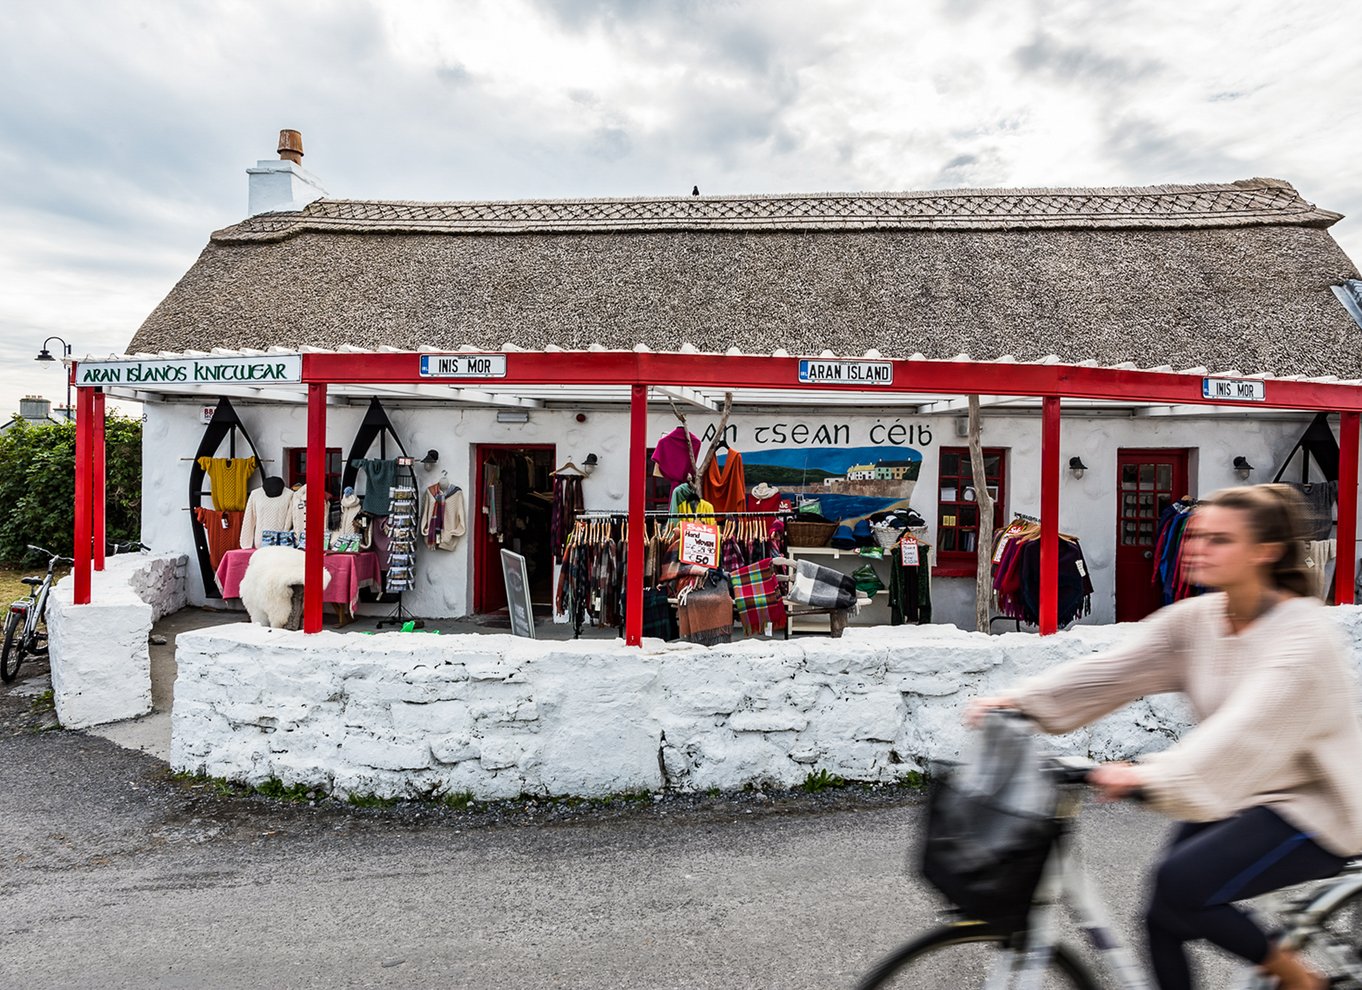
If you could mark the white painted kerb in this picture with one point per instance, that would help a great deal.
(101, 666)
(407, 714)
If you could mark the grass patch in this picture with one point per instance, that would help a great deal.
(821, 781)
(277, 789)
(44, 704)
(458, 800)
(369, 801)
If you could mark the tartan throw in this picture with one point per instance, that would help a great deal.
(757, 598)
(658, 619)
(822, 587)
(706, 615)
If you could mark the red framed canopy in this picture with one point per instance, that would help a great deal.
(500, 377)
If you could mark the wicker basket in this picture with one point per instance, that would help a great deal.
(886, 536)
(806, 533)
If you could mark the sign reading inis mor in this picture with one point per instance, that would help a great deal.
(1234, 389)
(813, 372)
(463, 365)
(284, 369)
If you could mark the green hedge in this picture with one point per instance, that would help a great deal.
(37, 486)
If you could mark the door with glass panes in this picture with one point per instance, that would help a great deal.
(1147, 482)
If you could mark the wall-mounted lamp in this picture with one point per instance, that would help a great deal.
(1077, 467)
(1242, 468)
(513, 415)
(590, 463)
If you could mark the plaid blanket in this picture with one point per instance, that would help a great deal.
(822, 587)
(756, 597)
(705, 615)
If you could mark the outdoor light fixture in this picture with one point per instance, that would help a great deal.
(1077, 467)
(590, 463)
(46, 355)
(513, 415)
(1242, 468)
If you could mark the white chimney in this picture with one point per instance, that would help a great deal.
(35, 408)
(283, 186)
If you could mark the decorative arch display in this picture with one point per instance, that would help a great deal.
(225, 425)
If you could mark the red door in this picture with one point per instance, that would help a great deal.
(492, 461)
(1147, 481)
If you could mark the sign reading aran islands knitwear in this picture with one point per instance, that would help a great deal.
(271, 369)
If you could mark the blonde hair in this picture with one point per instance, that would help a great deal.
(1277, 514)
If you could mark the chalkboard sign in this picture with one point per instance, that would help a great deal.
(518, 593)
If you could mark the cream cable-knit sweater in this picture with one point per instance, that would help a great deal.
(262, 513)
(1277, 706)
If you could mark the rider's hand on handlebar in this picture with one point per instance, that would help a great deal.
(979, 707)
(1114, 781)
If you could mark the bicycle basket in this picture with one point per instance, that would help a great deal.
(991, 825)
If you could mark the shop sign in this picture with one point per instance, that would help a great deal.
(286, 369)
(463, 365)
(812, 372)
(1234, 389)
(699, 544)
(518, 604)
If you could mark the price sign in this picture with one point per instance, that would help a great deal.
(699, 544)
(908, 551)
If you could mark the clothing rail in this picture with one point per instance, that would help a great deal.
(660, 513)
(258, 460)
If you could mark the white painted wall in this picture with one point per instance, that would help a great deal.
(408, 714)
(443, 587)
(101, 665)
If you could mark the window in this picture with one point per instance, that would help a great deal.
(295, 469)
(659, 495)
(957, 518)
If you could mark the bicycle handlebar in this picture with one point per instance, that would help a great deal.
(53, 558)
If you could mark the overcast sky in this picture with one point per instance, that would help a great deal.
(126, 127)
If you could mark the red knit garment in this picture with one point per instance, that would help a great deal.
(222, 527)
(725, 487)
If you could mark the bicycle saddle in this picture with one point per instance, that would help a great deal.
(32, 581)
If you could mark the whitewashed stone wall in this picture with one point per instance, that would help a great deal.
(101, 666)
(402, 714)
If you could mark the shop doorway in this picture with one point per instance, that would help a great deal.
(1147, 482)
(512, 510)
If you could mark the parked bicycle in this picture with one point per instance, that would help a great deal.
(26, 620)
(1322, 919)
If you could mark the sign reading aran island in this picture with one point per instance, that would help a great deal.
(280, 369)
(1234, 389)
(463, 365)
(817, 372)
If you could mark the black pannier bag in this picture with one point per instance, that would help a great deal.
(991, 824)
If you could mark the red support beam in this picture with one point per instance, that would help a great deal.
(638, 490)
(722, 371)
(1345, 570)
(1049, 516)
(315, 560)
(85, 408)
(98, 501)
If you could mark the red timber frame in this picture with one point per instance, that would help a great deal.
(640, 370)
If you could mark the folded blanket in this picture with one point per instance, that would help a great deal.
(757, 597)
(822, 587)
(705, 615)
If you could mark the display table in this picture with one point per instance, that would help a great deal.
(349, 573)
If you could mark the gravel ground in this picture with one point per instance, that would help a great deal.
(113, 873)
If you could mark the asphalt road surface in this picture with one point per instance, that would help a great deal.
(113, 874)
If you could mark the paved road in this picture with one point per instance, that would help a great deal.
(114, 875)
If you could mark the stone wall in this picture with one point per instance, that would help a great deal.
(101, 666)
(408, 714)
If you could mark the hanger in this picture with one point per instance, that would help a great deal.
(567, 467)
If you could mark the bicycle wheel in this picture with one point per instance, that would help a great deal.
(961, 956)
(13, 652)
(1337, 947)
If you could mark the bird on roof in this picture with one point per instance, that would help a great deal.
(695, 190)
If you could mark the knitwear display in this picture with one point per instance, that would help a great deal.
(262, 513)
(230, 478)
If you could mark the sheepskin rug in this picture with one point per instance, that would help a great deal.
(267, 588)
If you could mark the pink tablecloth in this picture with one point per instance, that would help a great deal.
(349, 572)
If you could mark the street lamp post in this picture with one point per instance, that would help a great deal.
(46, 355)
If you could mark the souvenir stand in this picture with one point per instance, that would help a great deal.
(784, 379)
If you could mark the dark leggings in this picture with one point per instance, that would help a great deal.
(1207, 866)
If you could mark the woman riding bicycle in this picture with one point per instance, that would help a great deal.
(1268, 787)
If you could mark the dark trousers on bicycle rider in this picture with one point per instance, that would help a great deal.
(1209, 865)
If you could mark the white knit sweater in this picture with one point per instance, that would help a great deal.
(1277, 705)
(262, 513)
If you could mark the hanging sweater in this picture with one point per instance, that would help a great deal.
(349, 510)
(298, 514)
(725, 487)
(451, 523)
(379, 475)
(1277, 705)
(230, 478)
(262, 513)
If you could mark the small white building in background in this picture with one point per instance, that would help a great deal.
(1237, 278)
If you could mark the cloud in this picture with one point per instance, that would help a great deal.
(130, 123)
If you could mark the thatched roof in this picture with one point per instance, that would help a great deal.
(1223, 276)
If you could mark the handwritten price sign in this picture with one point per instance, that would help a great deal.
(699, 544)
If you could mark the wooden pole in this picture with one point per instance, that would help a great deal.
(983, 571)
(314, 565)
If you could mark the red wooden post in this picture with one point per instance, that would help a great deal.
(97, 476)
(84, 442)
(638, 489)
(1345, 570)
(315, 562)
(1049, 516)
